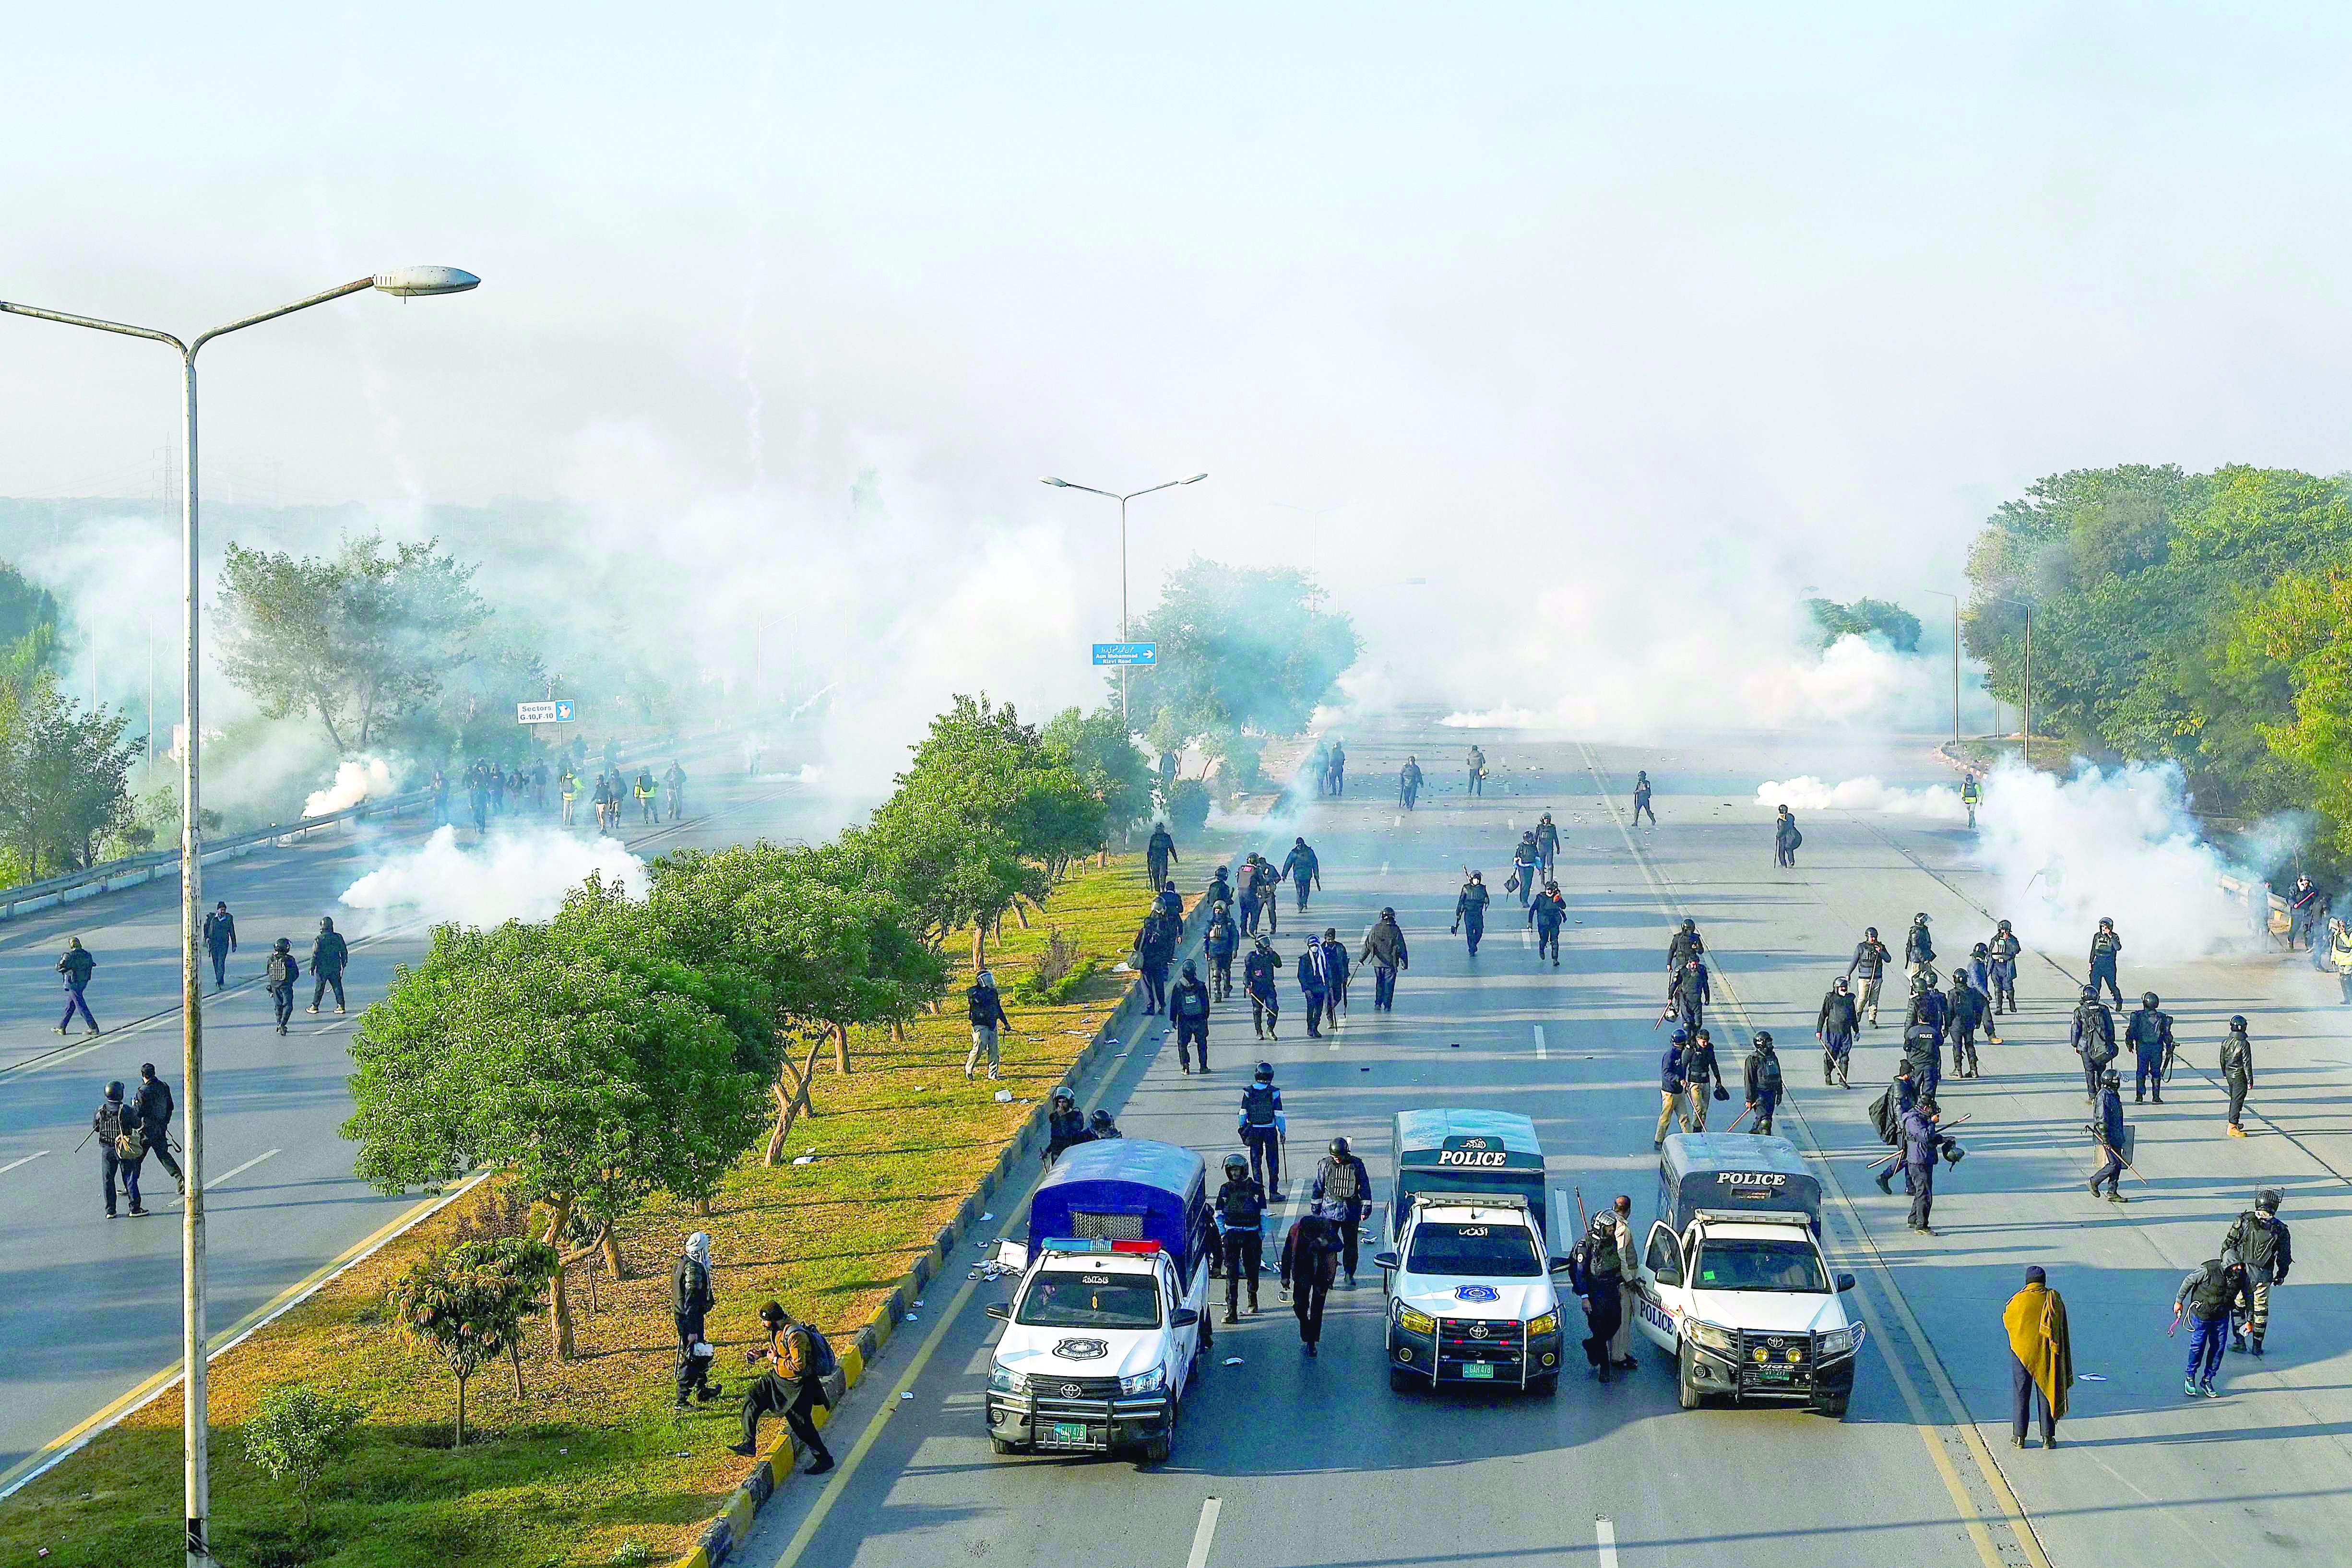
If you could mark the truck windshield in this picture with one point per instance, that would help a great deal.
(1501, 1251)
(1080, 1300)
(1754, 1264)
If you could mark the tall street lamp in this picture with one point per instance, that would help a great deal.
(2027, 607)
(1122, 499)
(1956, 662)
(406, 282)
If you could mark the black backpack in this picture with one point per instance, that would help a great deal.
(1341, 1182)
(2258, 1248)
(1240, 1205)
(1258, 1105)
(1767, 1073)
(281, 969)
(821, 1354)
(1191, 1002)
(981, 1005)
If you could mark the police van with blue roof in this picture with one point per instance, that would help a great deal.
(1471, 1300)
(1110, 1320)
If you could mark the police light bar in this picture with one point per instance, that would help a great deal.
(1143, 1247)
(1074, 1244)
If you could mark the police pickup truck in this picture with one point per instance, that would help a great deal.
(1108, 1322)
(1732, 1282)
(1470, 1295)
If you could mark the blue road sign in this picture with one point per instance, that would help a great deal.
(1126, 653)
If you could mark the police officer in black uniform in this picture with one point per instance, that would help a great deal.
(1188, 1004)
(2150, 1034)
(1763, 1082)
(1066, 1126)
(2094, 1038)
(1240, 1232)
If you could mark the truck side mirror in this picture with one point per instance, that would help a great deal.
(1562, 1265)
(1001, 1310)
(1183, 1318)
(1844, 1283)
(1387, 1261)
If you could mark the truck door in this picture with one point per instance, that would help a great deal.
(1185, 1344)
(1662, 1294)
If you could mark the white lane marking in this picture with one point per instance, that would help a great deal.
(1605, 1531)
(241, 1169)
(25, 1161)
(1541, 1054)
(1397, 821)
(1385, 867)
(1526, 937)
(1513, 823)
(1204, 1534)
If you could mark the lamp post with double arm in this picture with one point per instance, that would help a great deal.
(1122, 499)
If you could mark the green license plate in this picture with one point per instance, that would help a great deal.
(1776, 1373)
(1069, 1431)
(1477, 1369)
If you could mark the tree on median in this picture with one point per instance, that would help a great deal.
(534, 1050)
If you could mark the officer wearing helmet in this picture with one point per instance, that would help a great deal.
(1264, 1128)
(2150, 1034)
(2001, 972)
(1866, 970)
(2236, 1070)
(1341, 1180)
(1918, 947)
(1066, 1125)
(116, 1124)
(1100, 1127)
(2110, 1136)
(2105, 945)
(1684, 945)
(2093, 1039)
(1834, 1028)
(1240, 1232)
(1261, 971)
(1219, 943)
(1763, 1076)
(2258, 1239)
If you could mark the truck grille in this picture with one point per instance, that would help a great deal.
(1778, 1351)
(1465, 1341)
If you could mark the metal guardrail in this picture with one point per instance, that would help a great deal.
(29, 897)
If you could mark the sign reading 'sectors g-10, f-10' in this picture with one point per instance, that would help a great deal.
(556, 712)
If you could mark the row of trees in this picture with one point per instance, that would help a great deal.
(646, 1040)
(64, 795)
(2195, 617)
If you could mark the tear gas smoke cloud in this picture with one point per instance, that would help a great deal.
(1937, 803)
(356, 779)
(515, 875)
(2122, 843)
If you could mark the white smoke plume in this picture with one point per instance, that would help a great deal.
(1938, 802)
(518, 875)
(2120, 843)
(356, 779)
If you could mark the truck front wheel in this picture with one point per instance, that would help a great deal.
(1685, 1390)
(998, 1446)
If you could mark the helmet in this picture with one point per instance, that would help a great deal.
(1063, 1097)
(114, 1089)
(1763, 1039)
(1682, 1036)
(1339, 1148)
(2148, 998)
(2090, 994)
(1840, 983)
(1920, 918)
(1689, 924)
(2105, 920)
(2002, 926)
(1870, 933)
(2113, 1079)
(2268, 1200)
(1266, 944)
(1101, 1119)
(1388, 912)
(1265, 1071)
(2238, 1022)
(1237, 1166)
(1979, 951)
(1223, 908)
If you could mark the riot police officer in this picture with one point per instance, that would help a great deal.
(1763, 1076)
(1240, 1232)
(2004, 949)
(2094, 1038)
(2150, 1034)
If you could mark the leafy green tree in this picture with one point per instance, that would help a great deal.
(1893, 624)
(358, 640)
(468, 1306)
(540, 1051)
(64, 776)
(28, 628)
(296, 1435)
(1188, 809)
(1102, 756)
(1240, 649)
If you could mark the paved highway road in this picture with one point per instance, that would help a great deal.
(1282, 1460)
(92, 1308)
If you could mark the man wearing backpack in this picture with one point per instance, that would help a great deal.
(76, 966)
(1240, 1212)
(1189, 1005)
(1342, 1179)
(2209, 1293)
(121, 1147)
(2258, 1239)
(1264, 1129)
(2093, 1039)
(328, 954)
(154, 1100)
(279, 976)
(798, 1362)
(985, 1008)
(1219, 943)
(1763, 1076)
(1155, 950)
(1309, 1258)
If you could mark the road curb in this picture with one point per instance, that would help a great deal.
(733, 1522)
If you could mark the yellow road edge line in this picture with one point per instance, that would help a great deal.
(1972, 1516)
(58, 1449)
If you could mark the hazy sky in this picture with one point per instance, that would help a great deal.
(1523, 294)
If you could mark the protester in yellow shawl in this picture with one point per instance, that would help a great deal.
(2041, 1354)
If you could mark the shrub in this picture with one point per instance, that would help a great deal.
(297, 1435)
(1188, 809)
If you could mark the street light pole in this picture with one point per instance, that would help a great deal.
(195, 1374)
(1956, 661)
(2027, 607)
(1122, 499)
